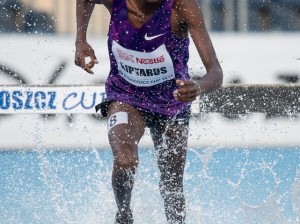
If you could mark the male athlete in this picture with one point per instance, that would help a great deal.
(149, 86)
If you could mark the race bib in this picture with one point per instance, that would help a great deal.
(141, 68)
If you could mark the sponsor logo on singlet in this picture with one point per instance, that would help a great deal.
(141, 68)
(152, 37)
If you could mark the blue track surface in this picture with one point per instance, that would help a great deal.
(222, 186)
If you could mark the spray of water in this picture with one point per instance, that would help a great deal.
(242, 185)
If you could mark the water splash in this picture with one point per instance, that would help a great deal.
(296, 195)
(242, 185)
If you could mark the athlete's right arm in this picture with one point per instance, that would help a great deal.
(84, 9)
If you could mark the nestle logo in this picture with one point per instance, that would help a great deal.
(147, 61)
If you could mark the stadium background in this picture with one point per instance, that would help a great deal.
(55, 168)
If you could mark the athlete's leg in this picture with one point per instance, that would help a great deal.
(126, 126)
(170, 140)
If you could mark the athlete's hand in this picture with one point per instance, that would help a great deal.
(83, 50)
(187, 91)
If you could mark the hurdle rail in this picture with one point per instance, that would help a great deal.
(272, 99)
(230, 99)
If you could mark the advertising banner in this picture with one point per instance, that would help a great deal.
(50, 99)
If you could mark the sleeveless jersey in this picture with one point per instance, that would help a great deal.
(146, 61)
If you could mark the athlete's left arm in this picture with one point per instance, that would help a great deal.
(190, 14)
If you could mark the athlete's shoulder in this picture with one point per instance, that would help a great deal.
(187, 10)
(183, 5)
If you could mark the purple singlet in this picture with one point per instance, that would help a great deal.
(146, 61)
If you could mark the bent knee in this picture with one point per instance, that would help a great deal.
(126, 162)
(125, 156)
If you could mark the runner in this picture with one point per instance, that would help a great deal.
(149, 86)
